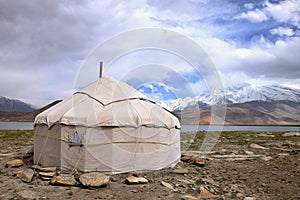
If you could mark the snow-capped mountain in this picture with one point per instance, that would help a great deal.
(237, 94)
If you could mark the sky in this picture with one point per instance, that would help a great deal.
(44, 45)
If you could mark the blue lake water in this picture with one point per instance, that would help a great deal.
(184, 128)
(16, 126)
(195, 128)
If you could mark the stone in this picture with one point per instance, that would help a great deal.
(188, 182)
(198, 161)
(48, 169)
(35, 167)
(29, 153)
(249, 198)
(47, 174)
(188, 197)
(291, 134)
(26, 175)
(208, 180)
(114, 178)
(186, 158)
(14, 163)
(180, 171)
(204, 193)
(266, 158)
(45, 178)
(168, 185)
(266, 135)
(283, 154)
(239, 195)
(94, 179)
(136, 180)
(256, 146)
(63, 179)
(288, 143)
(248, 152)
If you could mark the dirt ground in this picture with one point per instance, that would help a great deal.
(230, 171)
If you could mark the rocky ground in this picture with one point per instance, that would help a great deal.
(242, 165)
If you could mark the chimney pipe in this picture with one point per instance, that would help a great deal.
(100, 72)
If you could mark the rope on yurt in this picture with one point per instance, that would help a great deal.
(115, 142)
(90, 97)
(74, 170)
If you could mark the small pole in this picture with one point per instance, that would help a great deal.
(100, 72)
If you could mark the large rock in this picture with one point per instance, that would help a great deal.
(26, 175)
(136, 180)
(94, 179)
(64, 179)
(14, 163)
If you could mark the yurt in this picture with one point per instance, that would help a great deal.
(107, 126)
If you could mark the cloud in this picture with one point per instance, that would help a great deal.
(253, 16)
(283, 31)
(276, 61)
(249, 6)
(43, 44)
(285, 11)
(51, 39)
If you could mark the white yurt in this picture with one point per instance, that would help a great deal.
(107, 126)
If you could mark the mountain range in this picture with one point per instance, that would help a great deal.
(14, 105)
(24, 116)
(235, 95)
(245, 105)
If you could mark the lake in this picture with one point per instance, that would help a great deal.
(194, 128)
(16, 126)
(184, 128)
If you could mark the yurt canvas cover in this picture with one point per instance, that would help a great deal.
(110, 127)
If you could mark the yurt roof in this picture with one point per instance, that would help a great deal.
(108, 102)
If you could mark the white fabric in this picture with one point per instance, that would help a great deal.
(108, 102)
(109, 150)
(109, 127)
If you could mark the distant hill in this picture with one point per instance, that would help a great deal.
(248, 113)
(13, 105)
(236, 94)
(24, 116)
